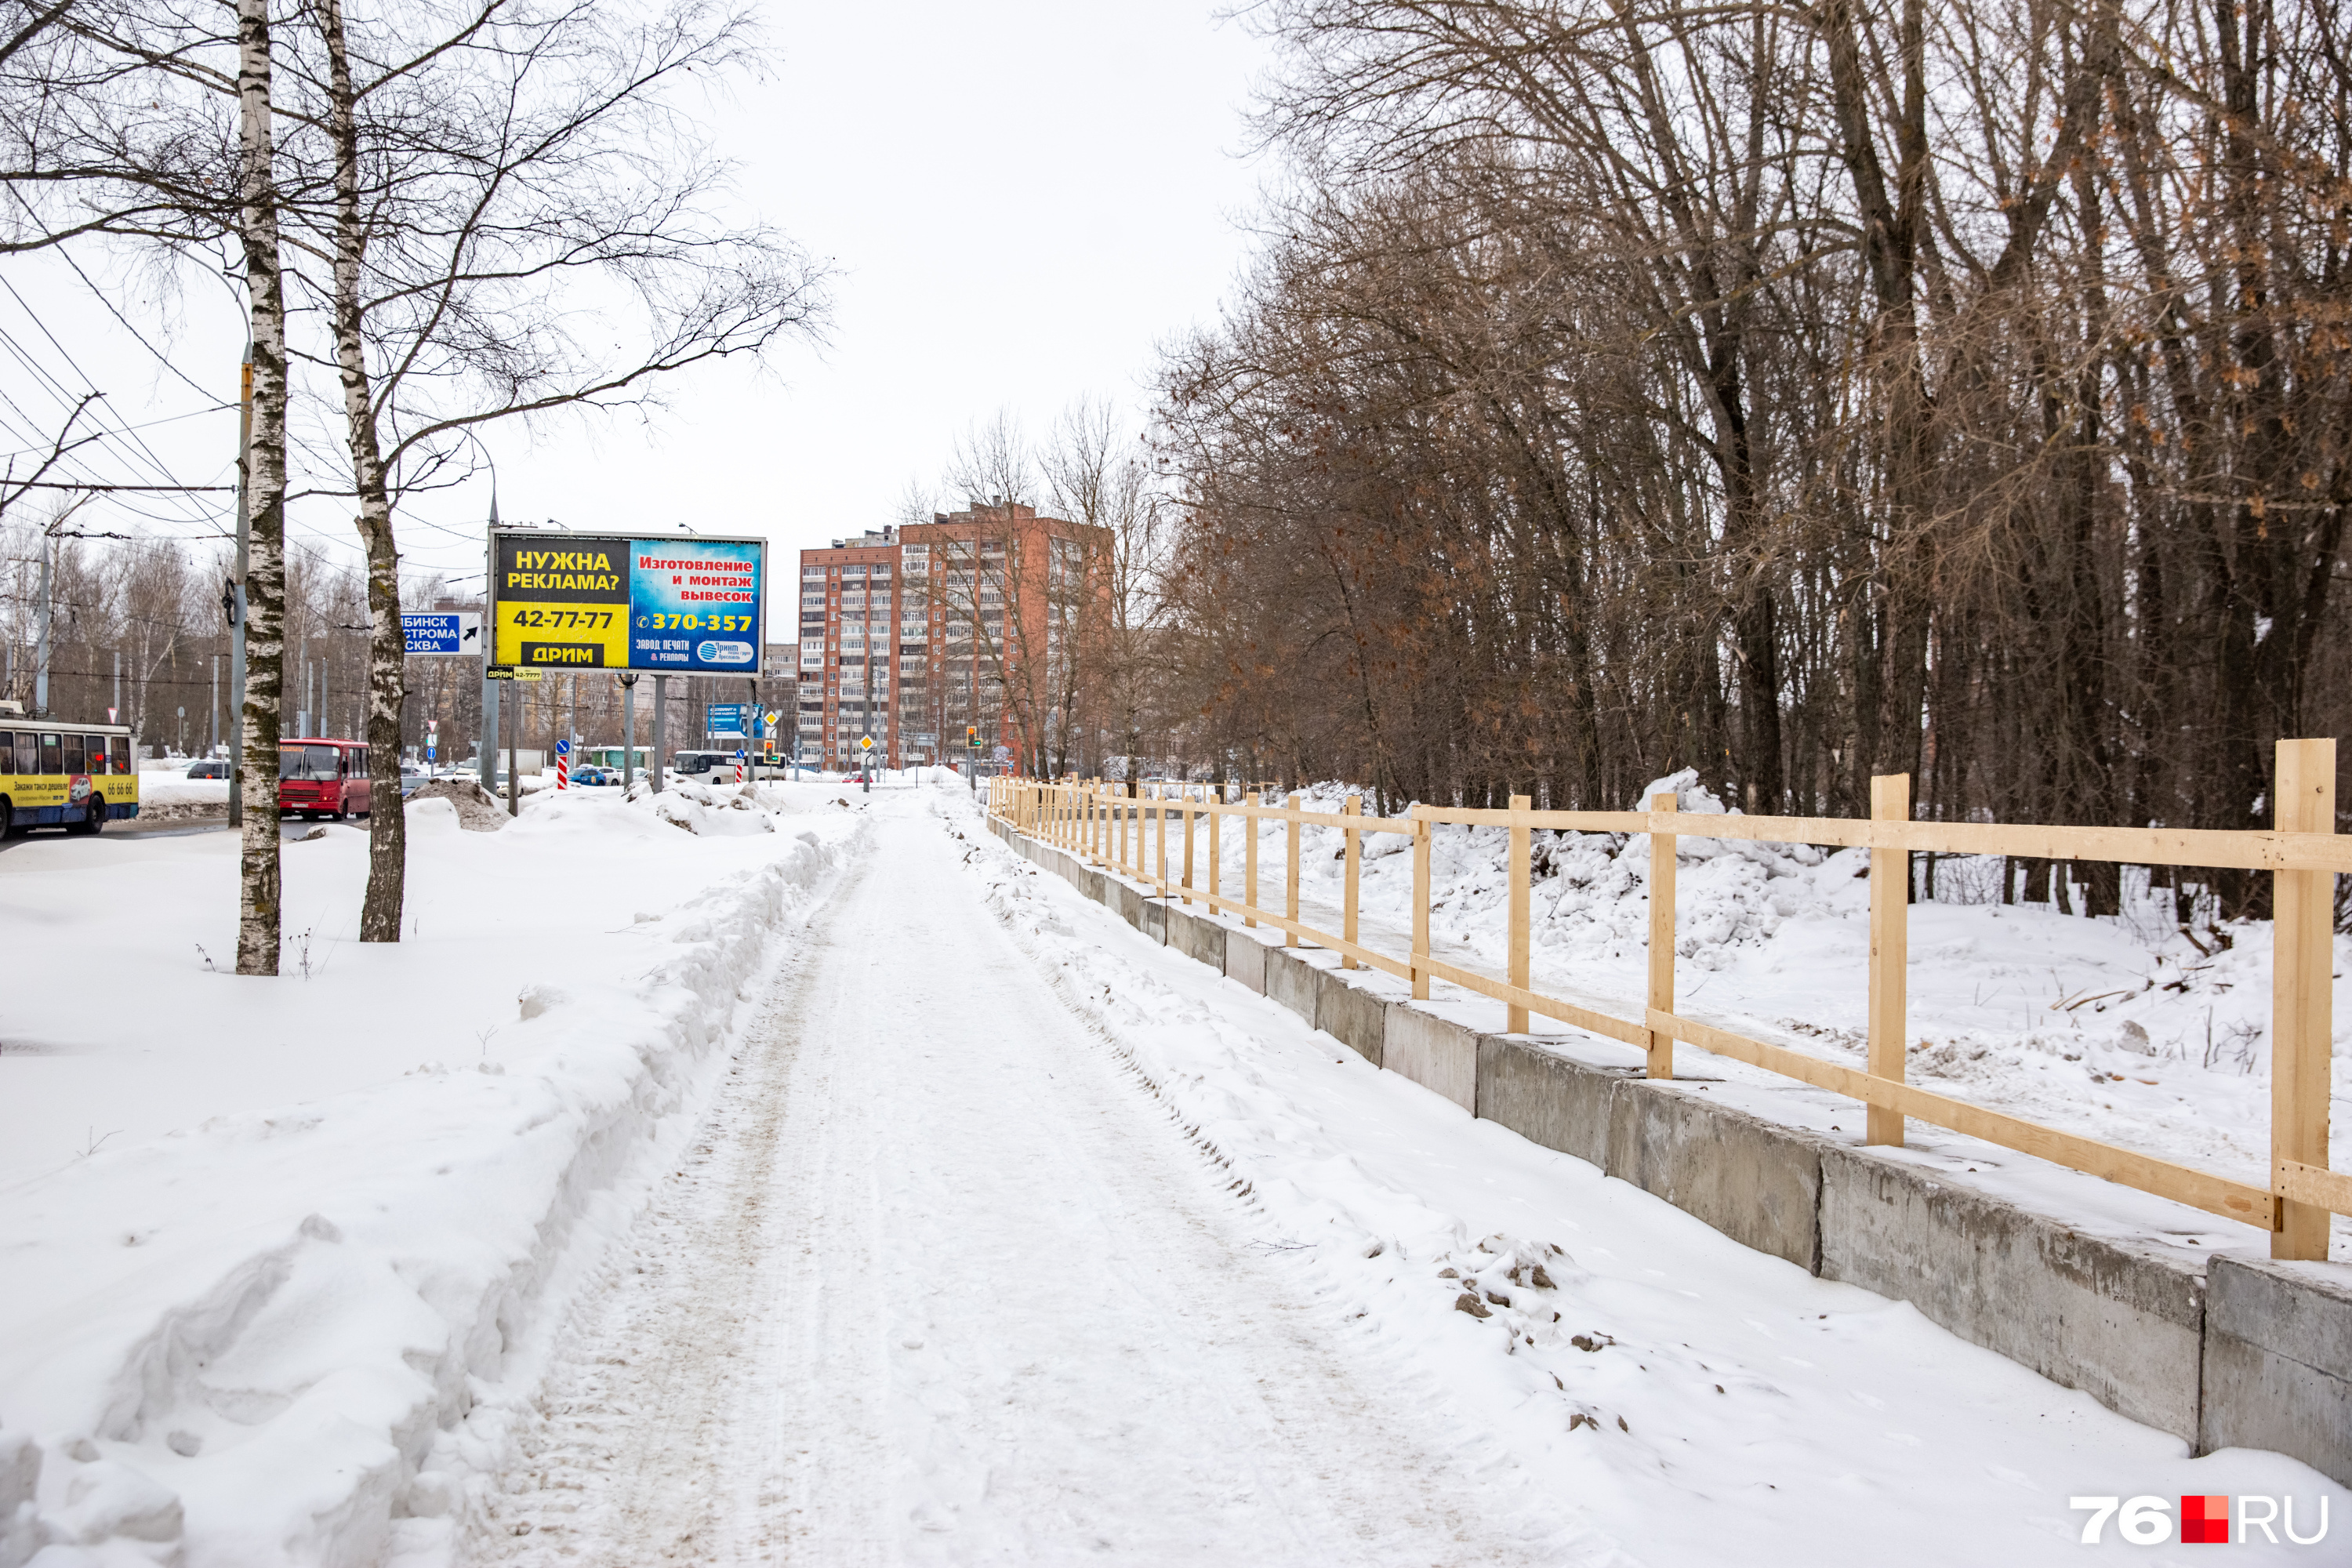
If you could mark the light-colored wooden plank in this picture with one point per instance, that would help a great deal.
(1397, 825)
(2302, 962)
(1536, 1001)
(1515, 1018)
(2199, 1189)
(2312, 1186)
(1160, 838)
(1890, 910)
(1291, 875)
(1664, 809)
(1249, 860)
(1420, 895)
(1352, 850)
(1555, 821)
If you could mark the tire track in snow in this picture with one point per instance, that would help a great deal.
(943, 1282)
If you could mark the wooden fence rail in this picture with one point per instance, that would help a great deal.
(1130, 834)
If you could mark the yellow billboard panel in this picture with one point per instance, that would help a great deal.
(562, 603)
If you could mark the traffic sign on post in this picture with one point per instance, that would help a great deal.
(562, 764)
(443, 635)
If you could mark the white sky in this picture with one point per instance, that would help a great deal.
(1022, 201)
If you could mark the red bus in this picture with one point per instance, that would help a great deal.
(323, 778)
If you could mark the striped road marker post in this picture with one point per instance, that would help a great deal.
(563, 764)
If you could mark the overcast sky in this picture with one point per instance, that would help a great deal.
(1021, 201)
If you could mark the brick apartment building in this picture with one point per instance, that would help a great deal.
(910, 635)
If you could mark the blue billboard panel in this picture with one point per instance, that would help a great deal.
(694, 605)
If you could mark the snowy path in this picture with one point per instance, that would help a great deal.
(944, 1281)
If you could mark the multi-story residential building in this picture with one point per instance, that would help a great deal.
(911, 634)
(848, 640)
(1009, 596)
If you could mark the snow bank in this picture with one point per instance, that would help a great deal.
(234, 1341)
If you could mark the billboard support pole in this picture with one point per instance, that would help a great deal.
(514, 775)
(628, 731)
(487, 752)
(661, 731)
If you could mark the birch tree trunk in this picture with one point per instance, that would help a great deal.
(387, 684)
(265, 479)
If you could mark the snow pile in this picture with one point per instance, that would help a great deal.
(178, 789)
(475, 809)
(239, 1341)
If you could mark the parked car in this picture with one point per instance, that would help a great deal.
(593, 777)
(208, 768)
(409, 779)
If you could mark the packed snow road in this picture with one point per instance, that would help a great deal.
(943, 1280)
(1013, 1238)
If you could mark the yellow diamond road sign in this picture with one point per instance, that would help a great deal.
(865, 742)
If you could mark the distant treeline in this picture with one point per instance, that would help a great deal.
(1799, 395)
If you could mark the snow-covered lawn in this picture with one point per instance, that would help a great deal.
(261, 1236)
(2120, 1028)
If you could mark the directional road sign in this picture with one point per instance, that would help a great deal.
(455, 632)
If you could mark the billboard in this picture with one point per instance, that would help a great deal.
(685, 605)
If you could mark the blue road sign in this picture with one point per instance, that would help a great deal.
(563, 748)
(455, 632)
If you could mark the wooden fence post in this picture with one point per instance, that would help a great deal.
(1515, 1018)
(1352, 806)
(1187, 809)
(1159, 839)
(2302, 962)
(1249, 857)
(1890, 943)
(1662, 936)
(1216, 863)
(1290, 877)
(1423, 830)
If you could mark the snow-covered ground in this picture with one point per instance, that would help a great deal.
(262, 1237)
(823, 1183)
(2123, 1028)
(1055, 1244)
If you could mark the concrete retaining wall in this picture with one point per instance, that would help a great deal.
(2121, 1323)
(2277, 1371)
(2247, 1353)
(1441, 1056)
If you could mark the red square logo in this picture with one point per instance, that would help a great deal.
(2205, 1519)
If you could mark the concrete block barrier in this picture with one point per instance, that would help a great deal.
(1541, 1096)
(1350, 1014)
(2120, 1322)
(1197, 937)
(1245, 961)
(2278, 1370)
(2242, 1351)
(1435, 1053)
(1290, 980)
(1757, 1181)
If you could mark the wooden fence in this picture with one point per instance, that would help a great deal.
(1132, 835)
